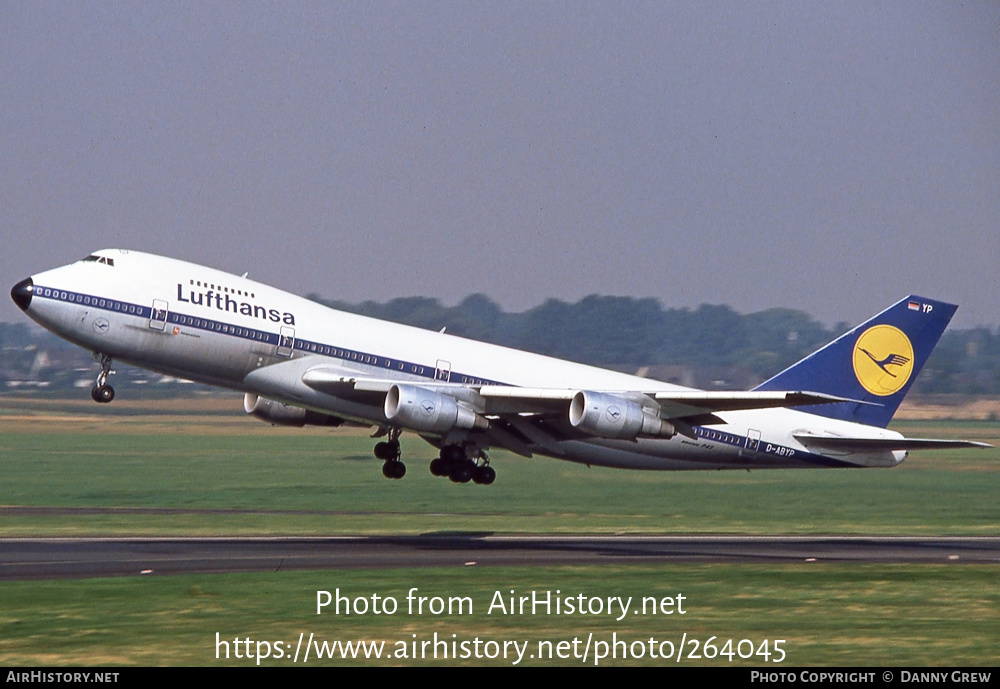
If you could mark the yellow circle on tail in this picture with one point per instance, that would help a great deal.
(883, 359)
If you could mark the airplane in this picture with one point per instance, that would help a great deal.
(298, 362)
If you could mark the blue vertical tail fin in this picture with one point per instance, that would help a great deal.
(876, 362)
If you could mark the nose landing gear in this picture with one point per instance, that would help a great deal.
(102, 392)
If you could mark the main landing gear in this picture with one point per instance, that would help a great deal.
(461, 464)
(389, 452)
(102, 392)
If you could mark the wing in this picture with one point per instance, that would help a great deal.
(517, 417)
(504, 399)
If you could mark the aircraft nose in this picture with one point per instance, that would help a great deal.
(21, 293)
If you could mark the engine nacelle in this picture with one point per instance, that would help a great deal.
(421, 409)
(281, 414)
(609, 416)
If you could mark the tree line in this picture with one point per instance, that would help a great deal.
(624, 333)
(628, 333)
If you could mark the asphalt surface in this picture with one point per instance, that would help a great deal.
(52, 558)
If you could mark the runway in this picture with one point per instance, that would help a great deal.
(54, 558)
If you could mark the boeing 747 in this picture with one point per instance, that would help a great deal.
(298, 362)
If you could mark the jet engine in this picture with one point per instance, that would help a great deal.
(281, 414)
(421, 409)
(610, 416)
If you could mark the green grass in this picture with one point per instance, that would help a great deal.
(322, 484)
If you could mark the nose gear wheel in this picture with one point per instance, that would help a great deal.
(102, 392)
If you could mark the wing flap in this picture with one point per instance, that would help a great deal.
(337, 381)
(685, 404)
(342, 384)
(672, 404)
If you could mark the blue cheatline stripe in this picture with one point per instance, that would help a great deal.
(254, 335)
(740, 441)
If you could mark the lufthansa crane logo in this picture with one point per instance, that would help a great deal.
(883, 360)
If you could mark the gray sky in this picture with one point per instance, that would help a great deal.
(832, 157)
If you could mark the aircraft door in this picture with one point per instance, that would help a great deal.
(158, 315)
(286, 341)
(753, 442)
(442, 371)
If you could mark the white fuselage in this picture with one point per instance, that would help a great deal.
(203, 324)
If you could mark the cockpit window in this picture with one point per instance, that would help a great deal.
(99, 259)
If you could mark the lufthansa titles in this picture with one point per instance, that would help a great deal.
(225, 302)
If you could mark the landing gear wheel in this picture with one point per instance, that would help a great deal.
(387, 451)
(484, 475)
(461, 464)
(461, 472)
(394, 469)
(102, 393)
(440, 467)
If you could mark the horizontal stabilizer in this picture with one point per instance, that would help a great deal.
(842, 444)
